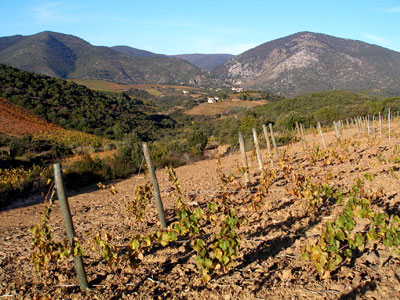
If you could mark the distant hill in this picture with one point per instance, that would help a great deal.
(205, 61)
(136, 52)
(308, 62)
(67, 56)
(74, 106)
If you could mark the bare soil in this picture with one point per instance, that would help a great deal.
(212, 109)
(269, 266)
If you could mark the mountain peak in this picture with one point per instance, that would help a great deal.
(308, 62)
(67, 56)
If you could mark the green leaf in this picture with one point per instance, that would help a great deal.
(305, 255)
(359, 240)
(223, 231)
(338, 260)
(208, 263)
(199, 260)
(332, 249)
(340, 235)
(223, 244)
(198, 212)
(340, 221)
(350, 225)
(348, 253)
(64, 254)
(388, 241)
(218, 254)
(134, 244)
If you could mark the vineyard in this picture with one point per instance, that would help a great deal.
(15, 120)
(317, 222)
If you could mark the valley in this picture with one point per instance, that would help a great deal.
(318, 219)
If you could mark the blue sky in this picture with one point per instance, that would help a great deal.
(219, 26)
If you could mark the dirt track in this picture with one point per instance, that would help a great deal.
(269, 264)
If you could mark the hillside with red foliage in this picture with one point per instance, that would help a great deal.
(16, 120)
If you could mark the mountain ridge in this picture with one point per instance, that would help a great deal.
(309, 62)
(296, 64)
(205, 61)
(66, 56)
(135, 52)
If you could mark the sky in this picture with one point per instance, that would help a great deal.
(218, 26)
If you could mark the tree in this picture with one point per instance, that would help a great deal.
(197, 141)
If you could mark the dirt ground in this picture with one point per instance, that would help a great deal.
(269, 264)
(212, 109)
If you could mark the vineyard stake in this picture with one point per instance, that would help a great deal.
(373, 125)
(367, 119)
(153, 177)
(303, 135)
(361, 125)
(380, 125)
(336, 129)
(322, 136)
(258, 151)
(273, 140)
(265, 130)
(298, 130)
(69, 226)
(244, 159)
(389, 117)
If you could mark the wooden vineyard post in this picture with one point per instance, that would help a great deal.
(373, 125)
(69, 227)
(303, 136)
(258, 151)
(322, 135)
(369, 131)
(153, 177)
(361, 125)
(244, 160)
(265, 130)
(298, 130)
(380, 125)
(389, 117)
(336, 129)
(298, 127)
(273, 140)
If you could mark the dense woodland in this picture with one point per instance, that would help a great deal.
(74, 106)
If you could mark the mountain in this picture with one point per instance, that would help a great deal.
(136, 52)
(308, 62)
(67, 56)
(205, 61)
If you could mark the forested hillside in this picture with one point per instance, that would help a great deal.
(68, 56)
(74, 106)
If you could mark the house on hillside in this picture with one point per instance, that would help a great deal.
(237, 89)
(186, 92)
(212, 99)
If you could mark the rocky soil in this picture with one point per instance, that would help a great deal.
(269, 264)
